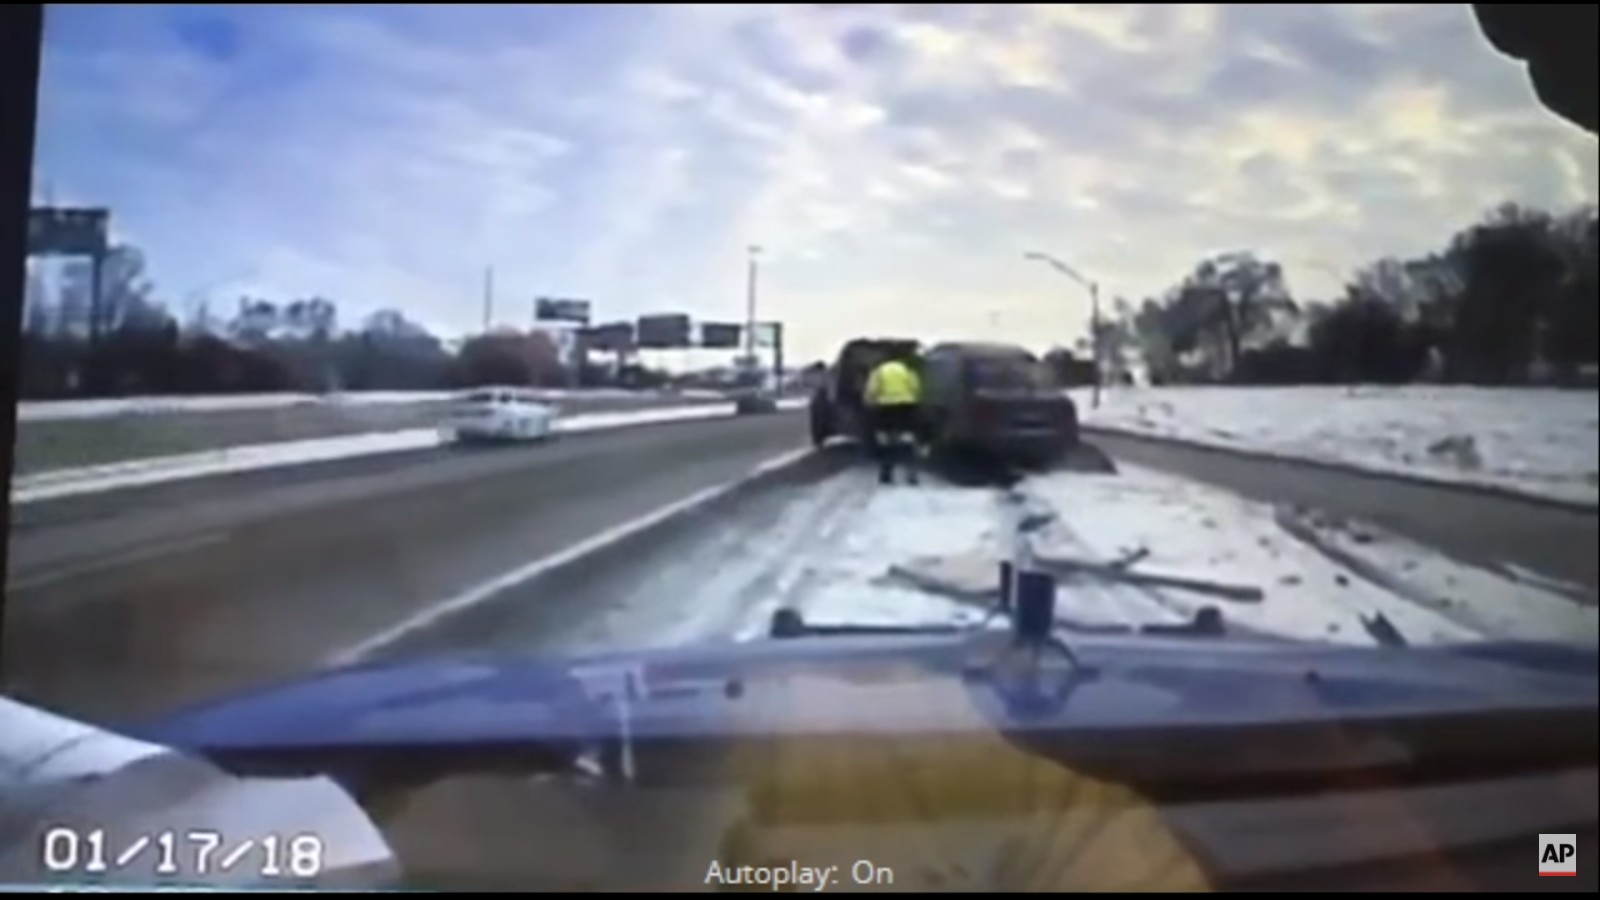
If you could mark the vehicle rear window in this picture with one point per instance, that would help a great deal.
(1007, 372)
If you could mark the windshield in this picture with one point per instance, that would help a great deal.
(1008, 373)
(456, 337)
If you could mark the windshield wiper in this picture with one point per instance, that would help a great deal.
(1207, 621)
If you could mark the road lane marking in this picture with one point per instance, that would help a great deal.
(520, 575)
(71, 571)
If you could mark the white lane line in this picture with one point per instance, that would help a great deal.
(506, 581)
(98, 564)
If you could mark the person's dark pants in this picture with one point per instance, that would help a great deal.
(896, 430)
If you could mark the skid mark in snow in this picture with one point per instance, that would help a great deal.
(775, 567)
(896, 526)
(826, 552)
(705, 593)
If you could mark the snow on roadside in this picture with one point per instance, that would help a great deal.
(1195, 531)
(1542, 442)
(60, 410)
(830, 553)
(56, 483)
(1479, 597)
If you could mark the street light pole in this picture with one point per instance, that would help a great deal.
(754, 254)
(1094, 312)
(1094, 340)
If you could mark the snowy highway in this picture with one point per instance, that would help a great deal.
(127, 603)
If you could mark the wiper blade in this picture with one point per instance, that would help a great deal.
(789, 623)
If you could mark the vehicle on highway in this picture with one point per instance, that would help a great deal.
(838, 407)
(998, 400)
(497, 413)
(1225, 760)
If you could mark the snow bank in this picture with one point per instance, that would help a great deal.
(1541, 442)
(57, 483)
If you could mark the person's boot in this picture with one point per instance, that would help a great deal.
(885, 473)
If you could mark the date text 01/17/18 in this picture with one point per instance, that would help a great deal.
(189, 854)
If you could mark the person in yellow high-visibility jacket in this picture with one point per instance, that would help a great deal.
(893, 394)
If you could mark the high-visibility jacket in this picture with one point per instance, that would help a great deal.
(893, 383)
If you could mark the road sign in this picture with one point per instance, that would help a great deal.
(612, 337)
(661, 332)
(66, 231)
(561, 309)
(720, 335)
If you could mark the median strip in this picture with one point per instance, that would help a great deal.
(58, 483)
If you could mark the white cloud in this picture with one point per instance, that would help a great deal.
(894, 161)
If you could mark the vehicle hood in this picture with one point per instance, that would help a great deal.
(880, 684)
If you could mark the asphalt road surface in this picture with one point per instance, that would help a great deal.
(127, 603)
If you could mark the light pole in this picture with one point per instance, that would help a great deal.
(753, 253)
(1094, 311)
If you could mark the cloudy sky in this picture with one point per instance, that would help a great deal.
(895, 162)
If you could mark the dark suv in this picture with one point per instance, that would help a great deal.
(996, 399)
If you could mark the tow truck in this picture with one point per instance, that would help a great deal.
(838, 407)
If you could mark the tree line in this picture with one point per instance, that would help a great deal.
(139, 346)
(1510, 299)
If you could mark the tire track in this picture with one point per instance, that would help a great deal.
(711, 588)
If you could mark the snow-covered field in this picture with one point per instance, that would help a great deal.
(56, 410)
(849, 551)
(55, 483)
(1540, 442)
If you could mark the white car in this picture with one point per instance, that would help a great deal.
(500, 413)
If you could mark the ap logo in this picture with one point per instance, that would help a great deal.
(1558, 854)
